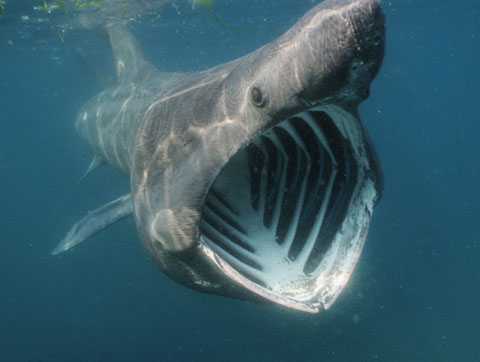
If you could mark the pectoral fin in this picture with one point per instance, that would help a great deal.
(95, 221)
(96, 163)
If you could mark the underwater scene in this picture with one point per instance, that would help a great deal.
(219, 180)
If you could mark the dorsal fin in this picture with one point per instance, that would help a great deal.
(130, 62)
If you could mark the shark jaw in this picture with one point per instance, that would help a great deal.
(288, 215)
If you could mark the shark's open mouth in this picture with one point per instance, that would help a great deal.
(288, 215)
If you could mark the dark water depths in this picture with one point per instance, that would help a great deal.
(415, 294)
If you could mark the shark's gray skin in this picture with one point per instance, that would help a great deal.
(254, 179)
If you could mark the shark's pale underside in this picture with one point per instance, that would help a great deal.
(254, 179)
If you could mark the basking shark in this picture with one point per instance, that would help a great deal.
(254, 179)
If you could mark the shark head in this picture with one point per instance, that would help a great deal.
(255, 179)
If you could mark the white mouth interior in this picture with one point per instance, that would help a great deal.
(287, 216)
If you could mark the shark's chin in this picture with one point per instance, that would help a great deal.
(288, 214)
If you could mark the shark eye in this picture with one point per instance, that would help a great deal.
(257, 97)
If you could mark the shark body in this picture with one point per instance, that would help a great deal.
(254, 179)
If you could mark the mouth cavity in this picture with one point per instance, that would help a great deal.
(288, 215)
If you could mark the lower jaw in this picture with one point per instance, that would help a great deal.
(288, 215)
